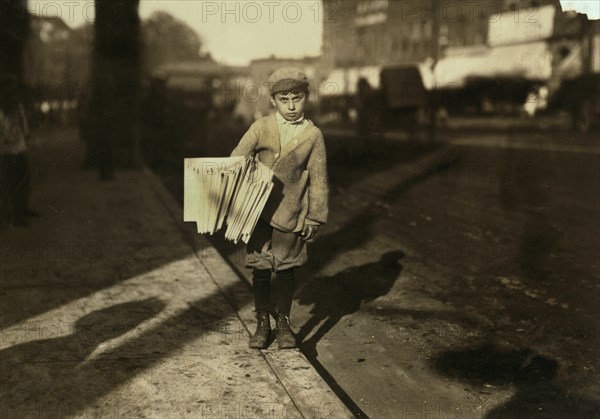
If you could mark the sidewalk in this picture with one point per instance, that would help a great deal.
(112, 307)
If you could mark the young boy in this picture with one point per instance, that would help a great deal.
(294, 148)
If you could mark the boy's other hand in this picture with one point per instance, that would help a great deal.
(309, 231)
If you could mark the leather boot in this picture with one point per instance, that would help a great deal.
(285, 336)
(260, 339)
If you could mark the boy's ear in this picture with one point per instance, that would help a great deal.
(272, 100)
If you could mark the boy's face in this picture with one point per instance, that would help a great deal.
(289, 104)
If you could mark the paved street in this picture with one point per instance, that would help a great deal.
(457, 280)
(500, 268)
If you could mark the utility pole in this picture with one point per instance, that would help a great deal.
(435, 31)
(433, 104)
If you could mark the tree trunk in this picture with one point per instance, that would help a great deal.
(14, 29)
(114, 104)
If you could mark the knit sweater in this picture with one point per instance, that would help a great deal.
(300, 192)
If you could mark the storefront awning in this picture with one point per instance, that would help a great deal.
(531, 61)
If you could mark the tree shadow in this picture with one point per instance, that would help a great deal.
(40, 368)
(342, 294)
(42, 379)
(531, 373)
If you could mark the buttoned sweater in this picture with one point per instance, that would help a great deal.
(300, 182)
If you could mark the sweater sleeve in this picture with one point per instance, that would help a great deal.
(318, 188)
(247, 145)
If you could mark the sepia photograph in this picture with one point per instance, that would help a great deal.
(316, 209)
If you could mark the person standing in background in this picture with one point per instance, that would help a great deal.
(15, 177)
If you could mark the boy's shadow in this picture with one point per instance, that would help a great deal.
(45, 374)
(531, 373)
(343, 293)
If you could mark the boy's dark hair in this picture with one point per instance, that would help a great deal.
(294, 91)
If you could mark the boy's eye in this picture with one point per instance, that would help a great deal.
(293, 99)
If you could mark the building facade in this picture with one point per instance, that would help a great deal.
(360, 33)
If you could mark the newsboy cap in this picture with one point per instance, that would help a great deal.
(286, 79)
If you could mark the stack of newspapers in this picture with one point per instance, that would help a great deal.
(229, 191)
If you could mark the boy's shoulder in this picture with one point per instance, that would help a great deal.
(262, 123)
(317, 131)
(315, 126)
(264, 120)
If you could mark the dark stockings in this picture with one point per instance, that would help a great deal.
(261, 279)
(285, 291)
(261, 285)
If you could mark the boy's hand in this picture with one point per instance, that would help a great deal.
(309, 231)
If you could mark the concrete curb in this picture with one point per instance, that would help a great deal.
(311, 395)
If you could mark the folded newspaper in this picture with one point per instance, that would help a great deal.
(229, 191)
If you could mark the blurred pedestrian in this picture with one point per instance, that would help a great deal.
(364, 94)
(294, 148)
(369, 107)
(15, 177)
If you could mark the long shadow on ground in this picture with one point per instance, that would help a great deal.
(342, 294)
(531, 373)
(52, 377)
